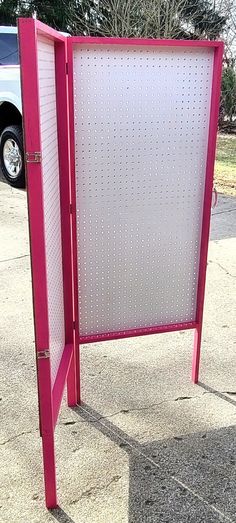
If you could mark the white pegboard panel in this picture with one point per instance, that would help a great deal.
(141, 132)
(51, 200)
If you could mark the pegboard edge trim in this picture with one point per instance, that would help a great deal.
(93, 40)
(129, 333)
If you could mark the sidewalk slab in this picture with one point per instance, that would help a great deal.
(146, 446)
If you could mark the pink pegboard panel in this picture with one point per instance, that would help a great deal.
(141, 135)
(51, 199)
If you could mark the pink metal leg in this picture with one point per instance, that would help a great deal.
(73, 380)
(78, 373)
(215, 98)
(49, 470)
(72, 384)
(47, 432)
(196, 353)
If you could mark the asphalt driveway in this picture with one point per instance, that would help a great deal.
(147, 446)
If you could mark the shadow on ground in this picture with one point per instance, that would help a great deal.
(61, 516)
(2, 179)
(222, 223)
(189, 479)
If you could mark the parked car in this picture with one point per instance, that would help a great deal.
(11, 133)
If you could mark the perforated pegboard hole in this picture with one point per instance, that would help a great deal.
(141, 127)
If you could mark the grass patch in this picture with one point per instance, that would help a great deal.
(225, 166)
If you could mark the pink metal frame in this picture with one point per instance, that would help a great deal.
(69, 369)
(215, 97)
(49, 396)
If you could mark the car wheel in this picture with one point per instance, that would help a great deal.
(12, 155)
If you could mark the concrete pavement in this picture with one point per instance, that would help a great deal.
(147, 446)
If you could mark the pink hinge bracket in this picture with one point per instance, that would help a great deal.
(33, 157)
(42, 354)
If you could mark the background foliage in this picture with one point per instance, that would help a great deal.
(188, 19)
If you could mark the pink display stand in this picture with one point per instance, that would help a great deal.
(120, 138)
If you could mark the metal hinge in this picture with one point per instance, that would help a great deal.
(42, 354)
(33, 157)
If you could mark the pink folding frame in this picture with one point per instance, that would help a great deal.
(49, 396)
(212, 136)
(50, 393)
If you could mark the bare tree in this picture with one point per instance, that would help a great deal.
(228, 9)
(148, 18)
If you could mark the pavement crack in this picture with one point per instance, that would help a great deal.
(94, 490)
(181, 398)
(230, 392)
(138, 450)
(16, 258)
(223, 268)
(223, 212)
(136, 409)
(147, 407)
(16, 436)
(153, 405)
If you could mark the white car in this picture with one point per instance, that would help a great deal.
(11, 134)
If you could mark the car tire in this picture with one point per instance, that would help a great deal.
(12, 155)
